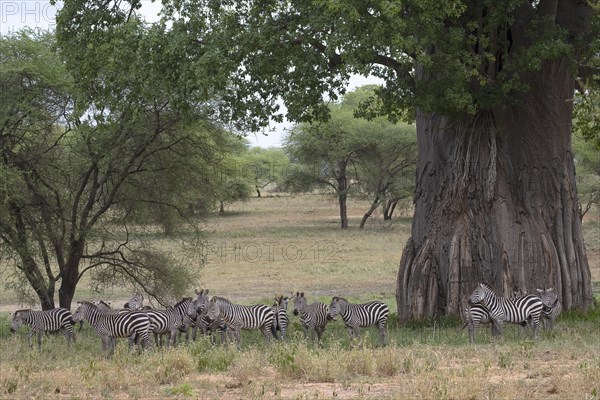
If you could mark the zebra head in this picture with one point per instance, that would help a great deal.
(136, 302)
(299, 303)
(17, 321)
(103, 306)
(191, 309)
(282, 302)
(335, 307)
(481, 294)
(548, 297)
(201, 301)
(213, 310)
(83, 308)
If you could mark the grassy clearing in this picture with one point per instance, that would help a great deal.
(277, 245)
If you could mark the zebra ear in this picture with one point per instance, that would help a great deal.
(197, 292)
(301, 294)
(550, 289)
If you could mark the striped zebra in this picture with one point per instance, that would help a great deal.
(168, 321)
(208, 327)
(281, 318)
(238, 317)
(552, 307)
(312, 316)
(136, 302)
(40, 322)
(525, 309)
(356, 316)
(477, 314)
(130, 324)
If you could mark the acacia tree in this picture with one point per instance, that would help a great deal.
(267, 167)
(489, 84)
(324, 155)
(73, 181)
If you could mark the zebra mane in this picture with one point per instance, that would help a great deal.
(338, 298)
(485, 285)
(180, 302)
(21, 310)
(215, 298)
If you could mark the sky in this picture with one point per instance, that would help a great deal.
(40, 14)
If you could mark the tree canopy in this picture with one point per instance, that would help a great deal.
(85, 173)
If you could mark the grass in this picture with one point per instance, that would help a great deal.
(276, 245)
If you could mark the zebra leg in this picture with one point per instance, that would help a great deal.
(499, 325)
(238, 338)
(172, 337)
(305, 328)
(39, 339)
(535, 328)
(266, 334)
(382, 333)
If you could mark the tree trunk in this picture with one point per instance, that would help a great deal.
(369, 212)
(44, 292)
(389, 208)
(496, 202)
(70, 275)
(342, 190)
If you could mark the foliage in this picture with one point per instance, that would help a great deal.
(347, 154)
(587, 162)
(267, 168)
(83, 163)
(454, 58)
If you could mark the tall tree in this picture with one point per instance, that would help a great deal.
(489, 84)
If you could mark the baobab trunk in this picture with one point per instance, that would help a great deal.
(496, 202)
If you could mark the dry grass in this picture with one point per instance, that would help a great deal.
(276, 245)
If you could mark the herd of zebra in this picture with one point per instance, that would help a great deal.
(216, 315)
(210, 314)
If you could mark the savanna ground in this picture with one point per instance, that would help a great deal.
(276, 245)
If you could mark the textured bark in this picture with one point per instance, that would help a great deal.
(496, 202)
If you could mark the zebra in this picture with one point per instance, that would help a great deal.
(361, 315)
(312, 316)
(44, 321)
(477, 314)
(208, 327)
(169, 321)
(552, 307)
(238, 317)
(281, 318)
(525, 309)
(136, 302)
(129, 324)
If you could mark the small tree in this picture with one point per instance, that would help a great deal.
(266, 167)
(324, 155)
